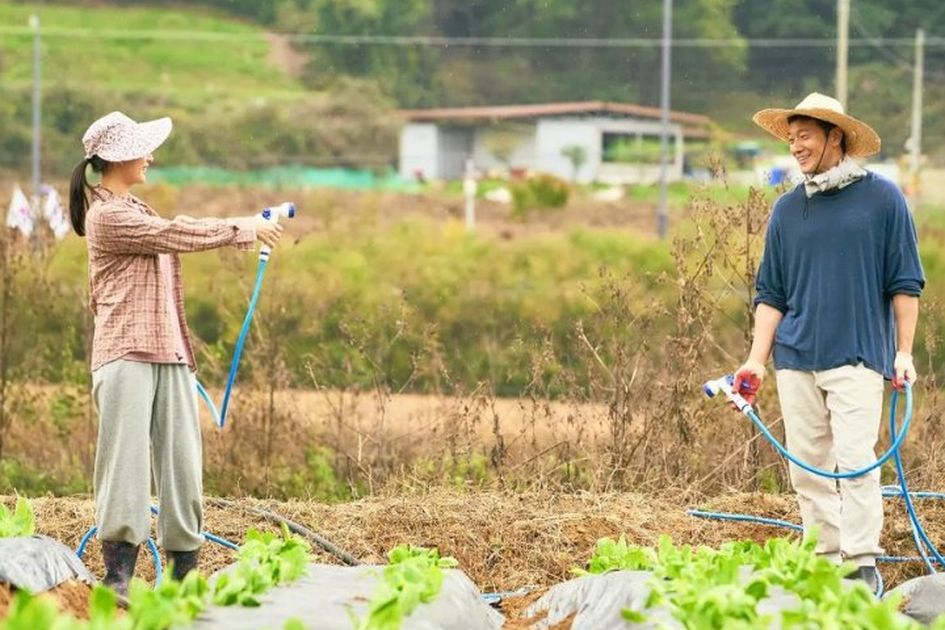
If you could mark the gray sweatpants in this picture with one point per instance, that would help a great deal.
(148, 420)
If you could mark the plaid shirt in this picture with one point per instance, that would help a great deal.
(126, 286)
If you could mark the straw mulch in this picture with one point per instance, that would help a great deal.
(503, 540)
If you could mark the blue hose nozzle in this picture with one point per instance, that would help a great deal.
(726, 385)
(721, 384)
(285, 210)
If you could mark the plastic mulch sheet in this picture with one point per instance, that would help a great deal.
(39, 563)
(596, 602)
(328, 596)
(924, 597)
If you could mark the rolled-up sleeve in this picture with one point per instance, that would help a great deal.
(903, 268)
(769, 285)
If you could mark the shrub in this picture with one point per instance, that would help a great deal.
(540, 192)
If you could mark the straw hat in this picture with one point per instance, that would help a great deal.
(117, 138)
(861, 139)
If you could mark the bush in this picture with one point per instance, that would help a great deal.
(391, 300)
(541, 192)
(17, 477)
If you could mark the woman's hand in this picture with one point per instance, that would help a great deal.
(267, 231)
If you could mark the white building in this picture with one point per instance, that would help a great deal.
(619, 141)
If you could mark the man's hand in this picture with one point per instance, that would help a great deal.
(905, 371)
(748, 380)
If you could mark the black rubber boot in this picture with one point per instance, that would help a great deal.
(868, 574)
(120, 559)
(184, 562)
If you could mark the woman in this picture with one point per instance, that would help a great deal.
(142, 358)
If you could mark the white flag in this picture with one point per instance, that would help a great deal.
(51, 208)
(19, 216)
(60, 227)
(54, 214)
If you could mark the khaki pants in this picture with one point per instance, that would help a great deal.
(148, 421)
(831, 420)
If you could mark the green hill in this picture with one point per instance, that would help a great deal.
(223, 81)
(95, 48)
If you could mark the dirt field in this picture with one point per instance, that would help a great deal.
(426, 423)
(367, 430)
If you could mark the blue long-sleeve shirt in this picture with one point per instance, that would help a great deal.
(831, 265)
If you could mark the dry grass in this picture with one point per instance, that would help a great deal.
(344, 209)
(363, 428)
(336, 209)
(514, 610)
(503, 540)
(425, 421)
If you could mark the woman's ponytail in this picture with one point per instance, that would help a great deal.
(78, 196)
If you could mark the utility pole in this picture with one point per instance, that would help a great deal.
(469, 191)
(37, 111)
(915, 140)
(663, 211)
(843, 39)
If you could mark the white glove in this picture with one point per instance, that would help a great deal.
(905, 370)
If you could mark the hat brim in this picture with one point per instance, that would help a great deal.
(861, 139)
(155, 132)
(144, 140)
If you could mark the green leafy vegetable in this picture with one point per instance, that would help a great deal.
(413, 576)
(708, 589)
(20, 522)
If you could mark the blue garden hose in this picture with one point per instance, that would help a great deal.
(893, 450)
(919, 536)
(285, 210)
(219, 416)
(745, 518)
(155, 556)
(775, 522)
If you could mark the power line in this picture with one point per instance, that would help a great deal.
(875, 43)
(444, 41)
(157, 87)
(903, 63)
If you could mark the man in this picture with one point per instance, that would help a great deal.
(837, 300)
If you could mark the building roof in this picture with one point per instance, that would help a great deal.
(504, 112)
